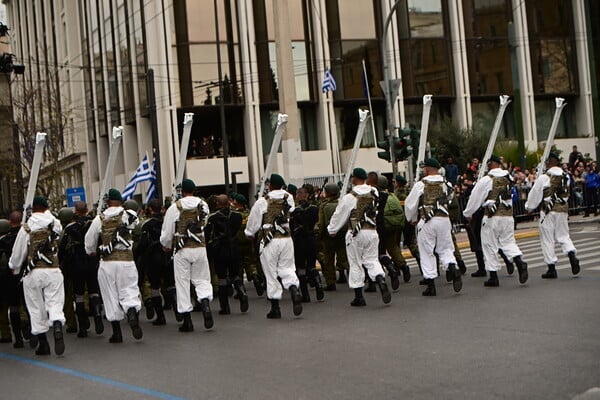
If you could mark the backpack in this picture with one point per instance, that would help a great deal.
(393, 213)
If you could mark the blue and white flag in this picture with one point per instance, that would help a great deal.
(151, 192)
(328, 82)
(142, 174)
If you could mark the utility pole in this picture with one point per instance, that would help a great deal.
(292, 155)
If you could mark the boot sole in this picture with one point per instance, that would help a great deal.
(244, 305)
(59, 343)
(98, 325)
(457, 284)
(386, 296)
(297, 308)
(208, 319)
(523, 275)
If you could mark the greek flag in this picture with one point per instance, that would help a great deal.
(151, 193)
(328, 82)
(142, 174)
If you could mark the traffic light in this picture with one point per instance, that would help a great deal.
(401, 146)
(385, 145)
(415, 137)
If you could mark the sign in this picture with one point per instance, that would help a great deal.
(74, 195)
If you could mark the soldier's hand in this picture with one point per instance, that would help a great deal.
(250, 237)
(92, 254)
(166, 249)
(468, 219)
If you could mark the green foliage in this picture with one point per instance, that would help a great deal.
(448, 140)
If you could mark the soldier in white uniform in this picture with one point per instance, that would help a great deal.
(552, 190)
(357, 212)
(493, 193)
(271, 215)
(427, 207)
(183, 230)
(43, 283)
(110, 236)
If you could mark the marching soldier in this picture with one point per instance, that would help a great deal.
(81, 267)
(183, 231)
(409, 235)
(552, 191)
(248, 253)
(155, 260)
(109, 235)
(222, 247)
(427, 207)
(271, 215)
(302, 224)
(334, 247)
(493, 193)
(357, 211)
(43, 283)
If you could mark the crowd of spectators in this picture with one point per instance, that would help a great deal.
(583, 173)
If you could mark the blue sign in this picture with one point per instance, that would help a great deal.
(74, 195)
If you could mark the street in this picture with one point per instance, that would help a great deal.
(533, 341)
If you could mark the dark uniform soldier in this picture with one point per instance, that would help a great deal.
(155, 261)
(79, 267)
(221, 232)
(302, 224)
(248, 248)
(334, 247)
(409, 236)
(42, 281)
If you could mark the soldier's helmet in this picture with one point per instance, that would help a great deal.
(332, 189)
(4, 226)
(65, 215)
(131, 205)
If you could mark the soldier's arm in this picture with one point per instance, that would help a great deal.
(536, 194)
(341, 215)
(480, 191)
(168, 227)
(255, 218)
(19, 252)
(411, 203)
(91, 237)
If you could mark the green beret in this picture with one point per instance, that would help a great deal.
(40, 201)
(495, 158)
(359, 173)
(432, 162)
(188, 186)
(276, 181)
(239, 198)
(292, 188)
(401, 180)
(554, 155)
(114, 194)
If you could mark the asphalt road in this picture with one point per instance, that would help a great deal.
(533, 341)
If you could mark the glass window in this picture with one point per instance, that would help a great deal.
(87, 72)
(98, 70)
(484, 117)
(544, 114)
(111, 63)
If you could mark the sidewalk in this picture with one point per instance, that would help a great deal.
(524, 230)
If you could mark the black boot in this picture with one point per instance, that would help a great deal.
(304, 289)
(315, 279)
(33, 339)
(117, 336)
(510, 267)
(405, 272)
(82, 320)
(134, 323)
(43, 346)
(296, 300)
(387, 263)
(341, 277)
(172, 295)
(430, 291)
(223, 300)
(386, 296)
(371, 287)
(15, 324)
(493, 281)
(242, 295)
(275, 312)
(461, 266)
(160, 313)
(59, 341)
(574, 263)
(424, 282)
(330, 288)
(259, 284)
(187, 325)
(480, 265)
(96, 306)
(551, 273)
(522, 268)
(206, 314)
(149, 308)
(359, 300)
(456, 277)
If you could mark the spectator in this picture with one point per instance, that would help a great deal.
(206, 147)
(574, 157)
(578, 185)
(451, 171)
(474, 166)
(592, 184)
(193, 150)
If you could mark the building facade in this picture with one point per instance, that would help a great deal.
(143, 64)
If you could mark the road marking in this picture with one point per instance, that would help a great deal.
(95, 378)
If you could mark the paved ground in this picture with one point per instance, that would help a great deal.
(536, 341)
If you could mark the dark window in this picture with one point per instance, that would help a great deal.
(87, 72)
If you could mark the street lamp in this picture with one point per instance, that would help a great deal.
(387, 85)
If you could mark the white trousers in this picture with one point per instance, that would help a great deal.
(554, 227)
(435, 237)
(363, 250)
(118, 282)
(277, 259)
(191, 266)
(498, 232)
(45, 298)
